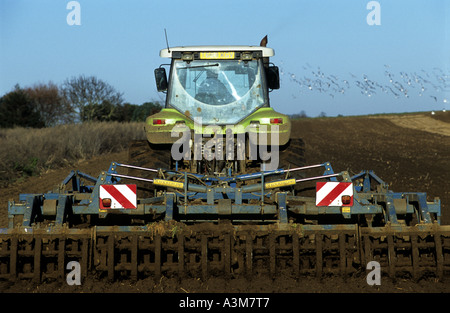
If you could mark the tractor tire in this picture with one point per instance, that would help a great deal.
(292, 154)
(144, 154)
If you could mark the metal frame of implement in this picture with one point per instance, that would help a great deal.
(34, 251)
(215, 197)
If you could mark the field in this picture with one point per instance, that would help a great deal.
(408, 151)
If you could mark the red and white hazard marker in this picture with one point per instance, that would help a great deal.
(334, 194)
(118, 197)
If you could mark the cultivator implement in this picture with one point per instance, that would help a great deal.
(228, 225)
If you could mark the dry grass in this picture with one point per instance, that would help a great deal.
(27, 151)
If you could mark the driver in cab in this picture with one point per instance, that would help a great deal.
(213, 91)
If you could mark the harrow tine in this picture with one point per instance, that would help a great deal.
(181, 256)
(13, 256)
(248, 254)
(204, 256)
(342, 254)
(319, 254)
(439, 255)
(157, 250)
(110, 257)
(134, 257)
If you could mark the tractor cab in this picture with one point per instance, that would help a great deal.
(217, 97)
(219, 84)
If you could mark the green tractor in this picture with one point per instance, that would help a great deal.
(217, 117)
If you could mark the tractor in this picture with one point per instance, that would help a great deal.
(217, 117)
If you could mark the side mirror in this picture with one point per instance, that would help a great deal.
(161, 79)
(273, 77)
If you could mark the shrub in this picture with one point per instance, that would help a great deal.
(26, 151)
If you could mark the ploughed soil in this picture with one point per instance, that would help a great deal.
(410, 152)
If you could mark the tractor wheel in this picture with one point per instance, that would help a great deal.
(292, 154)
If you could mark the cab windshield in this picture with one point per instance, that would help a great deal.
(218, 91)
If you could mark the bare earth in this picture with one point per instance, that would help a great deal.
(421, 122)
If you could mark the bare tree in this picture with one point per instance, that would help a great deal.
(91, 98)
(50, 104)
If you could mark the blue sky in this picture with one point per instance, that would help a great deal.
(316, 43)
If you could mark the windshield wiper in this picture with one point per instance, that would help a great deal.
(198, 66)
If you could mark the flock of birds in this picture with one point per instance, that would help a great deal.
(434, 84)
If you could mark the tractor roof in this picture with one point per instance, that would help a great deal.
(167, 53)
